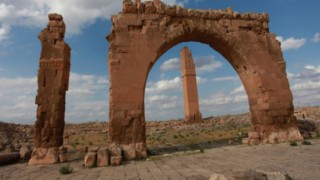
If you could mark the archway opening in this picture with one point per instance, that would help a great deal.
(222, 99)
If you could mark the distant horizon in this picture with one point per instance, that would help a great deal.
(220, 89)
(175, 119)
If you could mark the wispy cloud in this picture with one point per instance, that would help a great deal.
(77, 14)
(202, 64)
(171, 64)
(207, 64)
(174, 84)
(305, 86)
(225, 98)
(227, 78)
(316, 38)
(164, 85)
(4, 31)
(87, 99)
(291, 43)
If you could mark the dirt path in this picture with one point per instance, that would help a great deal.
(301, 162)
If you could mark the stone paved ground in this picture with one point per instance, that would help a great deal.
(301, 162)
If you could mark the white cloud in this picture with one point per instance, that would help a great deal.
(164, 85)
(162, 101)
(203, 64)
(308, 85)
(172, 2)
(217, 99)
(308, 79)
(238, 90)
(313, 68)
(86, 84)
(4, 31)
(316, 38)
(87, 99)
(77, 13)
(305, 86)
(171, 64)
(201, 80)
(224, 98)
(206, 64)
(309, 72)
(163, 106)
(291, 43)
(169, 85)
(227, 78)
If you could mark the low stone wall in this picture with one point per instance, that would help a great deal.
(101, 157)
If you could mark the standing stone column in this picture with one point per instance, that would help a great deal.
(190, 91)
(53, 82)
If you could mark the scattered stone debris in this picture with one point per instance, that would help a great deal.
(255, 175)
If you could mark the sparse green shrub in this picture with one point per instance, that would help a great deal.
(305, 142)
(175, 136)
(67, 169)
(201, 150)
(90, 143)
(293, 143)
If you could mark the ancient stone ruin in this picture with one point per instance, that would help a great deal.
(53, 81)
(144, 31)
(190, 89)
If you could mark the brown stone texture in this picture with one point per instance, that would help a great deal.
(144, 31)
(41, 156)
(25, 152)
(53, 80)
(103, 157)
(116, 160)
(63, 157)
(190, 89)
(90, 159)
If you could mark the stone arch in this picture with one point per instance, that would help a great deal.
(145, 31)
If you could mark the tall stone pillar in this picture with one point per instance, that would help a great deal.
(53, 82)
(190, 91)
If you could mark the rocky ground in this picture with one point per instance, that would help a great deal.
(163, 137)
(300, 162)
(12, 136)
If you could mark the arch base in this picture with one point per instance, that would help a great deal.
(273, 135)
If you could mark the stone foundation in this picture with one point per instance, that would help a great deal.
(114, 155)
(51, 155)
(283, 135)
(273, 137)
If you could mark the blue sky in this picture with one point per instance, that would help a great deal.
(295, 22)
